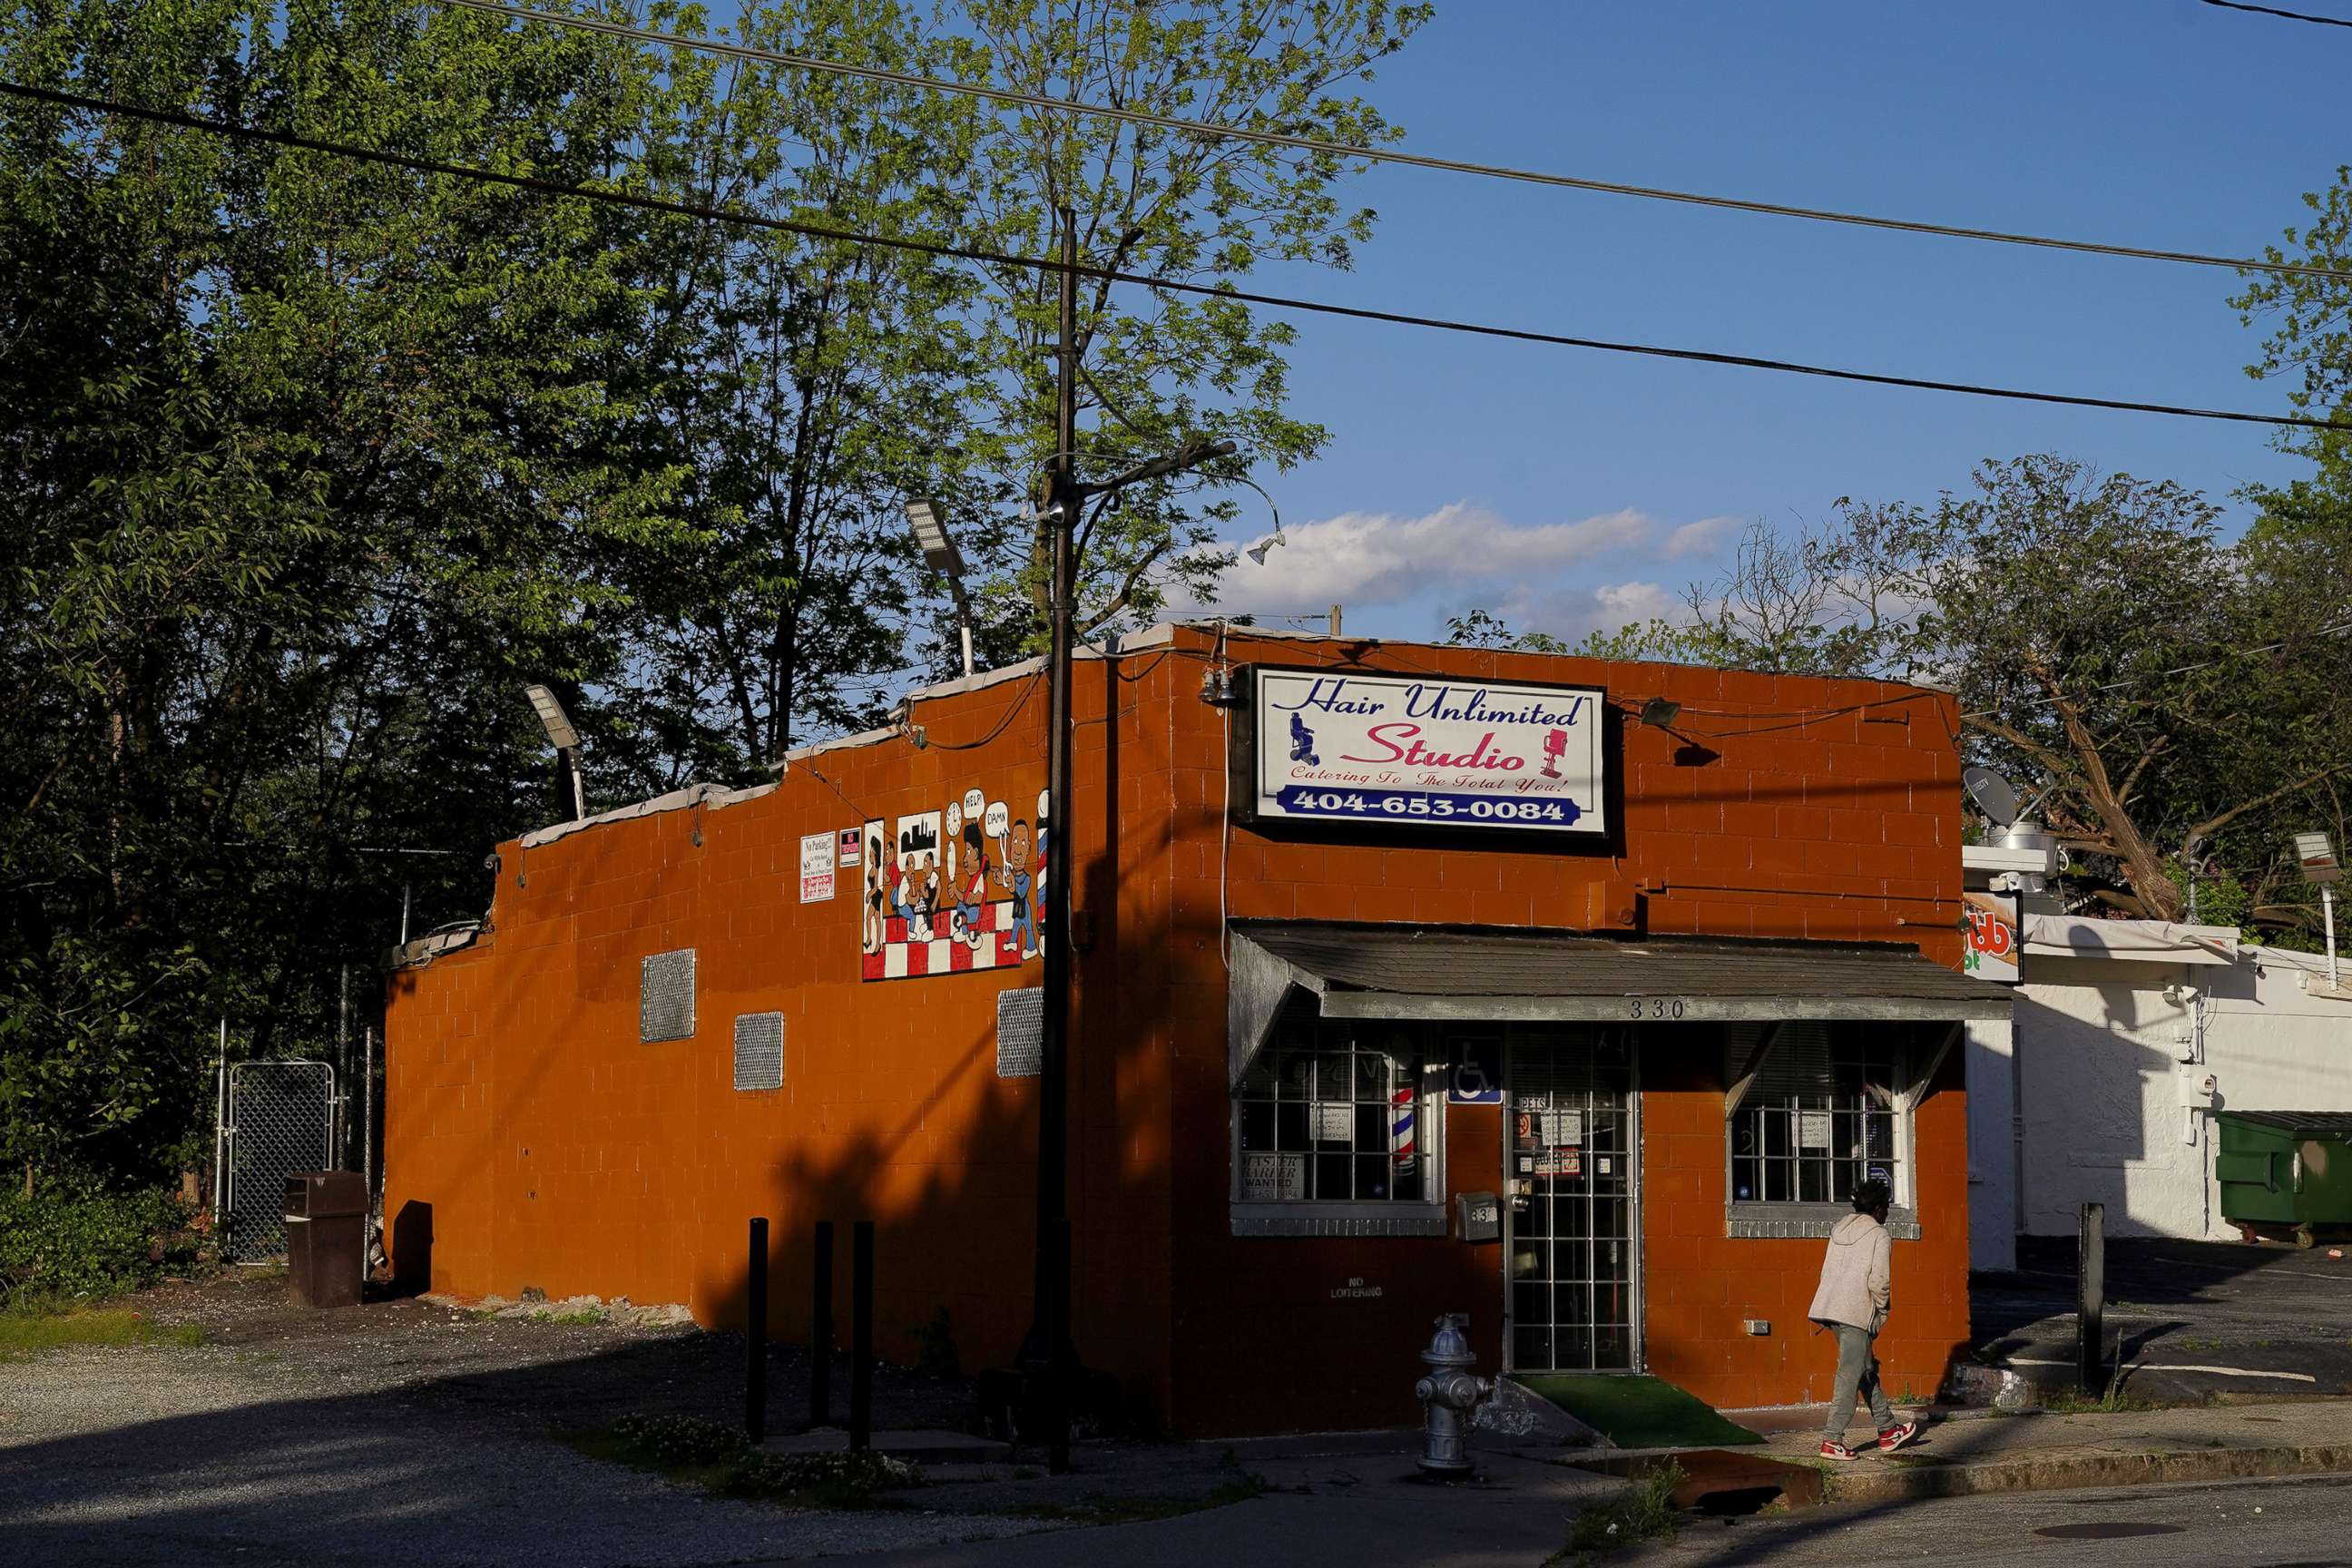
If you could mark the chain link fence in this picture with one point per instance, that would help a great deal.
(281, 1121)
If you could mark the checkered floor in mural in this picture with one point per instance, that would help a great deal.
(991, 944)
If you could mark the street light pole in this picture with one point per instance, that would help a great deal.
(1049, 1356)
(1050, 1348)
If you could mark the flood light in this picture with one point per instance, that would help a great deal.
(2318, 857)
(560, 733)
(1659, 714)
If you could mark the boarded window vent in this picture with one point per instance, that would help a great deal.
(1020, 1033)
(665, 996)
(759, 1051)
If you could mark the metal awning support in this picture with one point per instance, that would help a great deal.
(1917, 1089)
(1751, 1069)
(1489, 976)
(1257, 983)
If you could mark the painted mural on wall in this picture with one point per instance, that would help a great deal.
(953, 890)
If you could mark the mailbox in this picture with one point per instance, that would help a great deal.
(1479, 1217)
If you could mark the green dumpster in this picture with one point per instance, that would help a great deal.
(2284, 1169)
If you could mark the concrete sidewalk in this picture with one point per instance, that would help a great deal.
(1342, 1497)
(1984, 1451)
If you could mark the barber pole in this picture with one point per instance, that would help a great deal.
(1401, 1140)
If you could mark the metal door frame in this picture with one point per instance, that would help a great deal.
(224, 1138)
(1637, 1348)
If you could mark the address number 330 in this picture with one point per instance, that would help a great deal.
(1654, 1007)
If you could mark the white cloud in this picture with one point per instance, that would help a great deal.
(1377, 558)
(1568, 613)
(1699, 538)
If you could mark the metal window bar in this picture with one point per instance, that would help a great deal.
(1815, 1145)
(1352, 1109)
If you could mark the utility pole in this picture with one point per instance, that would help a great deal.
(1049, 1353)
(1049, 1358)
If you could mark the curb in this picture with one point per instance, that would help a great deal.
(1893, 1482)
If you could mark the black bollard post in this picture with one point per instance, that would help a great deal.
(755, 1338)
(820, 1331)
(2091, 1300)
(861, 1335)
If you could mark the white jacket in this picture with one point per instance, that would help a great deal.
(1857, 1282)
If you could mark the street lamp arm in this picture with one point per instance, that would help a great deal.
(1192, 457)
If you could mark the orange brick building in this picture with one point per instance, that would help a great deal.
(1662, 961)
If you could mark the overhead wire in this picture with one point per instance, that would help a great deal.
(1326, 147)
(2257, 10)
(1147, 280)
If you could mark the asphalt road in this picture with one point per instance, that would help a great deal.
(2297, 1523)
(2193, 1319)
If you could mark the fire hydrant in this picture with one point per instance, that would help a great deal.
(1449, 1393)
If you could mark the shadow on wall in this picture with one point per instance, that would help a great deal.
(412, 1247)
(948, 1178)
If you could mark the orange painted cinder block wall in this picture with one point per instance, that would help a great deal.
(550, 1148)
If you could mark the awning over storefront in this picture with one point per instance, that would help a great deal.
(1472, 974)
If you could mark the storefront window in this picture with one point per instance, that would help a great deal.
(1822, 1116)
(1333, 1112)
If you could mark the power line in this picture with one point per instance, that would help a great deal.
(1389, 154)
(1147, 280)
(2224, 5)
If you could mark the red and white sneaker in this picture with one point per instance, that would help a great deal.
(1895, 1437)
(1835, 1450)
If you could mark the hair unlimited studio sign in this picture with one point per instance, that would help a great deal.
(1427, 753)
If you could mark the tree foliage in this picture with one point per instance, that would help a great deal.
(2175, 703)
(307, 465)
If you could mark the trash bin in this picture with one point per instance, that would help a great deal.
(2284, 1169)
(326, 1233)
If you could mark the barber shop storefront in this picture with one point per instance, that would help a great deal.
(1572, 996)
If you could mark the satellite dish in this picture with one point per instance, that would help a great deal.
(1994, 796)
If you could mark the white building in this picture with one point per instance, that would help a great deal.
(2128, 1036)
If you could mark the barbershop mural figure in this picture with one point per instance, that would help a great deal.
(953, 890)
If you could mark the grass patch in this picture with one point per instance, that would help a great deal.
(716, 1459)
(26, 1333)
(1644, 1511)
(2115, 1401)
(1638, 1412)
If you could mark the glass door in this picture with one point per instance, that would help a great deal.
(1571, 1149)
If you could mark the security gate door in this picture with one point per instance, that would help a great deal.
(1570, 1148)
(281, 1121)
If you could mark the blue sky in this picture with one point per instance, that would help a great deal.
(1574, 489)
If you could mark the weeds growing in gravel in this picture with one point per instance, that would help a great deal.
(25, 1332)
(717, 1458)
(1645, 1513)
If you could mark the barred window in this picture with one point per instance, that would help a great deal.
(1822, 1117)
(1333, 1111)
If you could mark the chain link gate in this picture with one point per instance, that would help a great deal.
(281, 1121)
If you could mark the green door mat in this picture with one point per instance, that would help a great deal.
(1636, 1411)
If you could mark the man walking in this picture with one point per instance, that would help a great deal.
(1857, 1291)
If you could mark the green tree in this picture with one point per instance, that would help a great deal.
(303, 470)
(1160, 370)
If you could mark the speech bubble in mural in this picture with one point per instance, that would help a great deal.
(999, 820)
(974, 804)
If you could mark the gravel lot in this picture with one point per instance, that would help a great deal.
(403, 1431)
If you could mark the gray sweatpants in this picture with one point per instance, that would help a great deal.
(1857, 1372)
